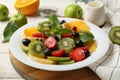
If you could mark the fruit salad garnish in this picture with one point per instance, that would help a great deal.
(58, 42)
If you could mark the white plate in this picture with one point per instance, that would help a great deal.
(100, 37)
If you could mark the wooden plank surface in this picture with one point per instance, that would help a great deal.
(31, 73)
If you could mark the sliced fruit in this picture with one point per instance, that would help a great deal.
(36, 48)
(25, 48)
(86, 36)
(66, 43)
(50, 42)
(59, 58)
(39, 35)
(41, 60)
(44, 26)
(29, 31)
(67, 62)
(77, 54)
(84, 48)
(114, 34)
(92, 45)
(79, 24)
(27, 7)
(58, 53)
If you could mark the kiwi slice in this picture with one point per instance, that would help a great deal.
(25, 48)
(44, 26)
(41, 60)
(58, 58)
(114, 34)
(36, 48)
(67, 62)
(66, 43)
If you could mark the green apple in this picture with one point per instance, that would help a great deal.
(73, 11)
(3, 12)
(19, 18)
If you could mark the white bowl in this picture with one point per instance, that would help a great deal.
(100, 37)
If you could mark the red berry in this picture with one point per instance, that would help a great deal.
(74, 28)
(39, 35)
(67, 35)
(58, 53)
(77, 54)
(50, 42)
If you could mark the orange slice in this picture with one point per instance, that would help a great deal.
(79, 24)
(92, 45)
(29, 31)
(27, 7)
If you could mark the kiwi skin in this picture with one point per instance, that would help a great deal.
(114, 34)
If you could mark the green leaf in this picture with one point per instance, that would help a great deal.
(55, 23)
(53, 19)
(86, 36)
(48, 34)
(9, 30)
(62, 31)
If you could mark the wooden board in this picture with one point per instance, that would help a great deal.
(30, 73)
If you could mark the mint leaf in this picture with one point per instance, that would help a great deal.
(86, 36)
(55, 23)
(53, 19)
(62, 31)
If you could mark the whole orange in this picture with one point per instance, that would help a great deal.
(27, 7)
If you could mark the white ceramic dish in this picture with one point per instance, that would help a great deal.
(100, 37)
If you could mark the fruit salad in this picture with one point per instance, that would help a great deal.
(59, 42)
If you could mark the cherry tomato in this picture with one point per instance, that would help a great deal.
(58, 53)
(50, 42)
(77, 54)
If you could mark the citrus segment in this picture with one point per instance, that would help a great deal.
(92, 45)
(29, 31)
(80, 25)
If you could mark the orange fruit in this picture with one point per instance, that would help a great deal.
(79, 24)
(92, 45)
(27, 7)
(29, 31)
